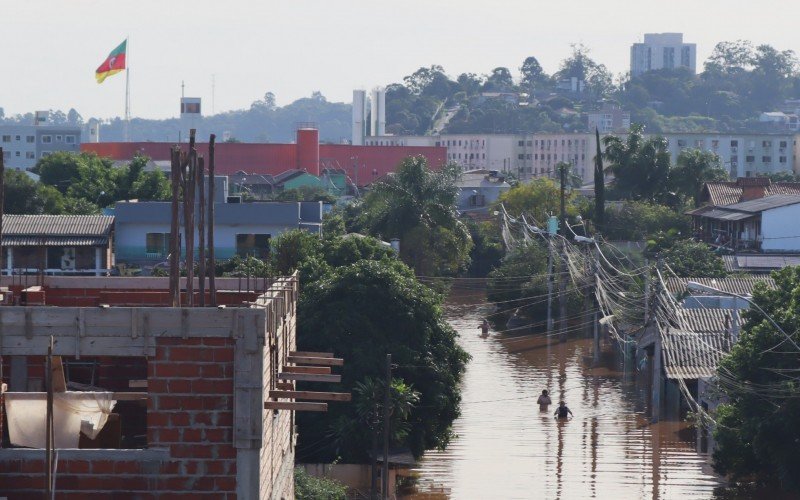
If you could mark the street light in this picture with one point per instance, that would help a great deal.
(699, 287)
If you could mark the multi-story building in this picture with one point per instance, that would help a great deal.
(524, 155)
(662, 51)
(742, 155)
(24, 145)
(610, 118)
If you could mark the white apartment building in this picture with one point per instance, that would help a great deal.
(24, 145)
(609, 119)
(524, 155)
(662, 51)
(742, 155)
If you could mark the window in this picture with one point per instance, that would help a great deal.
(766, 159)
(782, 159)
(30, 139)
(6, 138)
(483, 156)
(6, 155)
(528, 156)
(459, 142)
(520, 156)
(157, 245)
(734, 144)
(256, 245)
(46, 153)
(47, 139)
(783, 144)
(536, 157)
(750, 159)
(681, 143)
(477, 200)
(17, 138)
(30, 155)
(766, 144)
(530, 143)
(520, 143)
(59, 138)
(17, 154)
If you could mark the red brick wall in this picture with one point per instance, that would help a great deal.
(190, 414)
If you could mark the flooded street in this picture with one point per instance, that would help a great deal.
(505, 448)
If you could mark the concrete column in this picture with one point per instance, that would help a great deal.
(98, 260)
(9, 259)
(657, 381)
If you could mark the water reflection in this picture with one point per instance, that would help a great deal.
(507, 448)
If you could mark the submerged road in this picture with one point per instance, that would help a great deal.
(506, 448)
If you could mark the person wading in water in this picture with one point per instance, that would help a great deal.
(544, 401)
(484, 328)
(562, 411)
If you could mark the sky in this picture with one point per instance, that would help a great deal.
(293, 48)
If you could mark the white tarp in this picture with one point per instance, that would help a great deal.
(73, 413)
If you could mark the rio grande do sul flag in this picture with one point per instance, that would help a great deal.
(114, 63)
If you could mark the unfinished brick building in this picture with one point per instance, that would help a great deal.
(191, 386)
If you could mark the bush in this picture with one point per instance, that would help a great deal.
(308, 487)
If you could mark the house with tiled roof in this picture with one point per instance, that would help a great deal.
(57, 244)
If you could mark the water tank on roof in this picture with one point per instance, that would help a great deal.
(308, 150)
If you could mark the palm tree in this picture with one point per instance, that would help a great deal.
(640, 166)
(694, 168)
(418, 206)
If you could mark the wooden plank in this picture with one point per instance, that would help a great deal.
(88, 346)
(318, 396)
(118, 396)
(319, 370)
(137, 384)
(286, 405)
(285, 386)
(310, 360)
(311, 354)
(59, 381)
(307, 377)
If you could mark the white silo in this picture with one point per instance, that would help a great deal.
(378, 112)
(359, 117)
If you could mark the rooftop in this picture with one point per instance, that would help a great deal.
(68, 230)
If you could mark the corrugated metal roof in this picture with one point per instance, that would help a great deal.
(57, 225)
(54, 241)
(723, 193)
(693, 348)
(724, 214)
(761, 204)
(739, 285)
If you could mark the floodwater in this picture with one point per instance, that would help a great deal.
(506, 448)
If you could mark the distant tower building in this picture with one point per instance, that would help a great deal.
(378, 112)
(93, 130)
(662, 51)
(41, 117)
(190, 113)
(359, 117)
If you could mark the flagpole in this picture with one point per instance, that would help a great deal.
(127, 91)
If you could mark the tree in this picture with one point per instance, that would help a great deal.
(362, 311)
(306, 193)
(640, 166)
(694, 168)
(689, 259)
(757, 431)
(730, 58)
(417, 205)
(532, 73)
(499, 80)
(579, 65)
(25, 196)
(599, 186)
(636, 221)
(538, 199)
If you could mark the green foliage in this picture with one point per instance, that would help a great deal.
(81, 183)
(417, 205)
(599, 186)
(538, 198)
(361, 311)
(640, 166)
(245, 266)
(691, 259)
(526, 268)
(636, 221)
(487, 250)
(306, 193)
(308, 487)
(291, 248)
(333, 224)
(757, 431)
(693, 169)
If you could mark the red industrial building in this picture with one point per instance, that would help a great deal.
(306, 154)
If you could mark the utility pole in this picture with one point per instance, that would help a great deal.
(562, 281)
(386, 415)
(549, 285)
